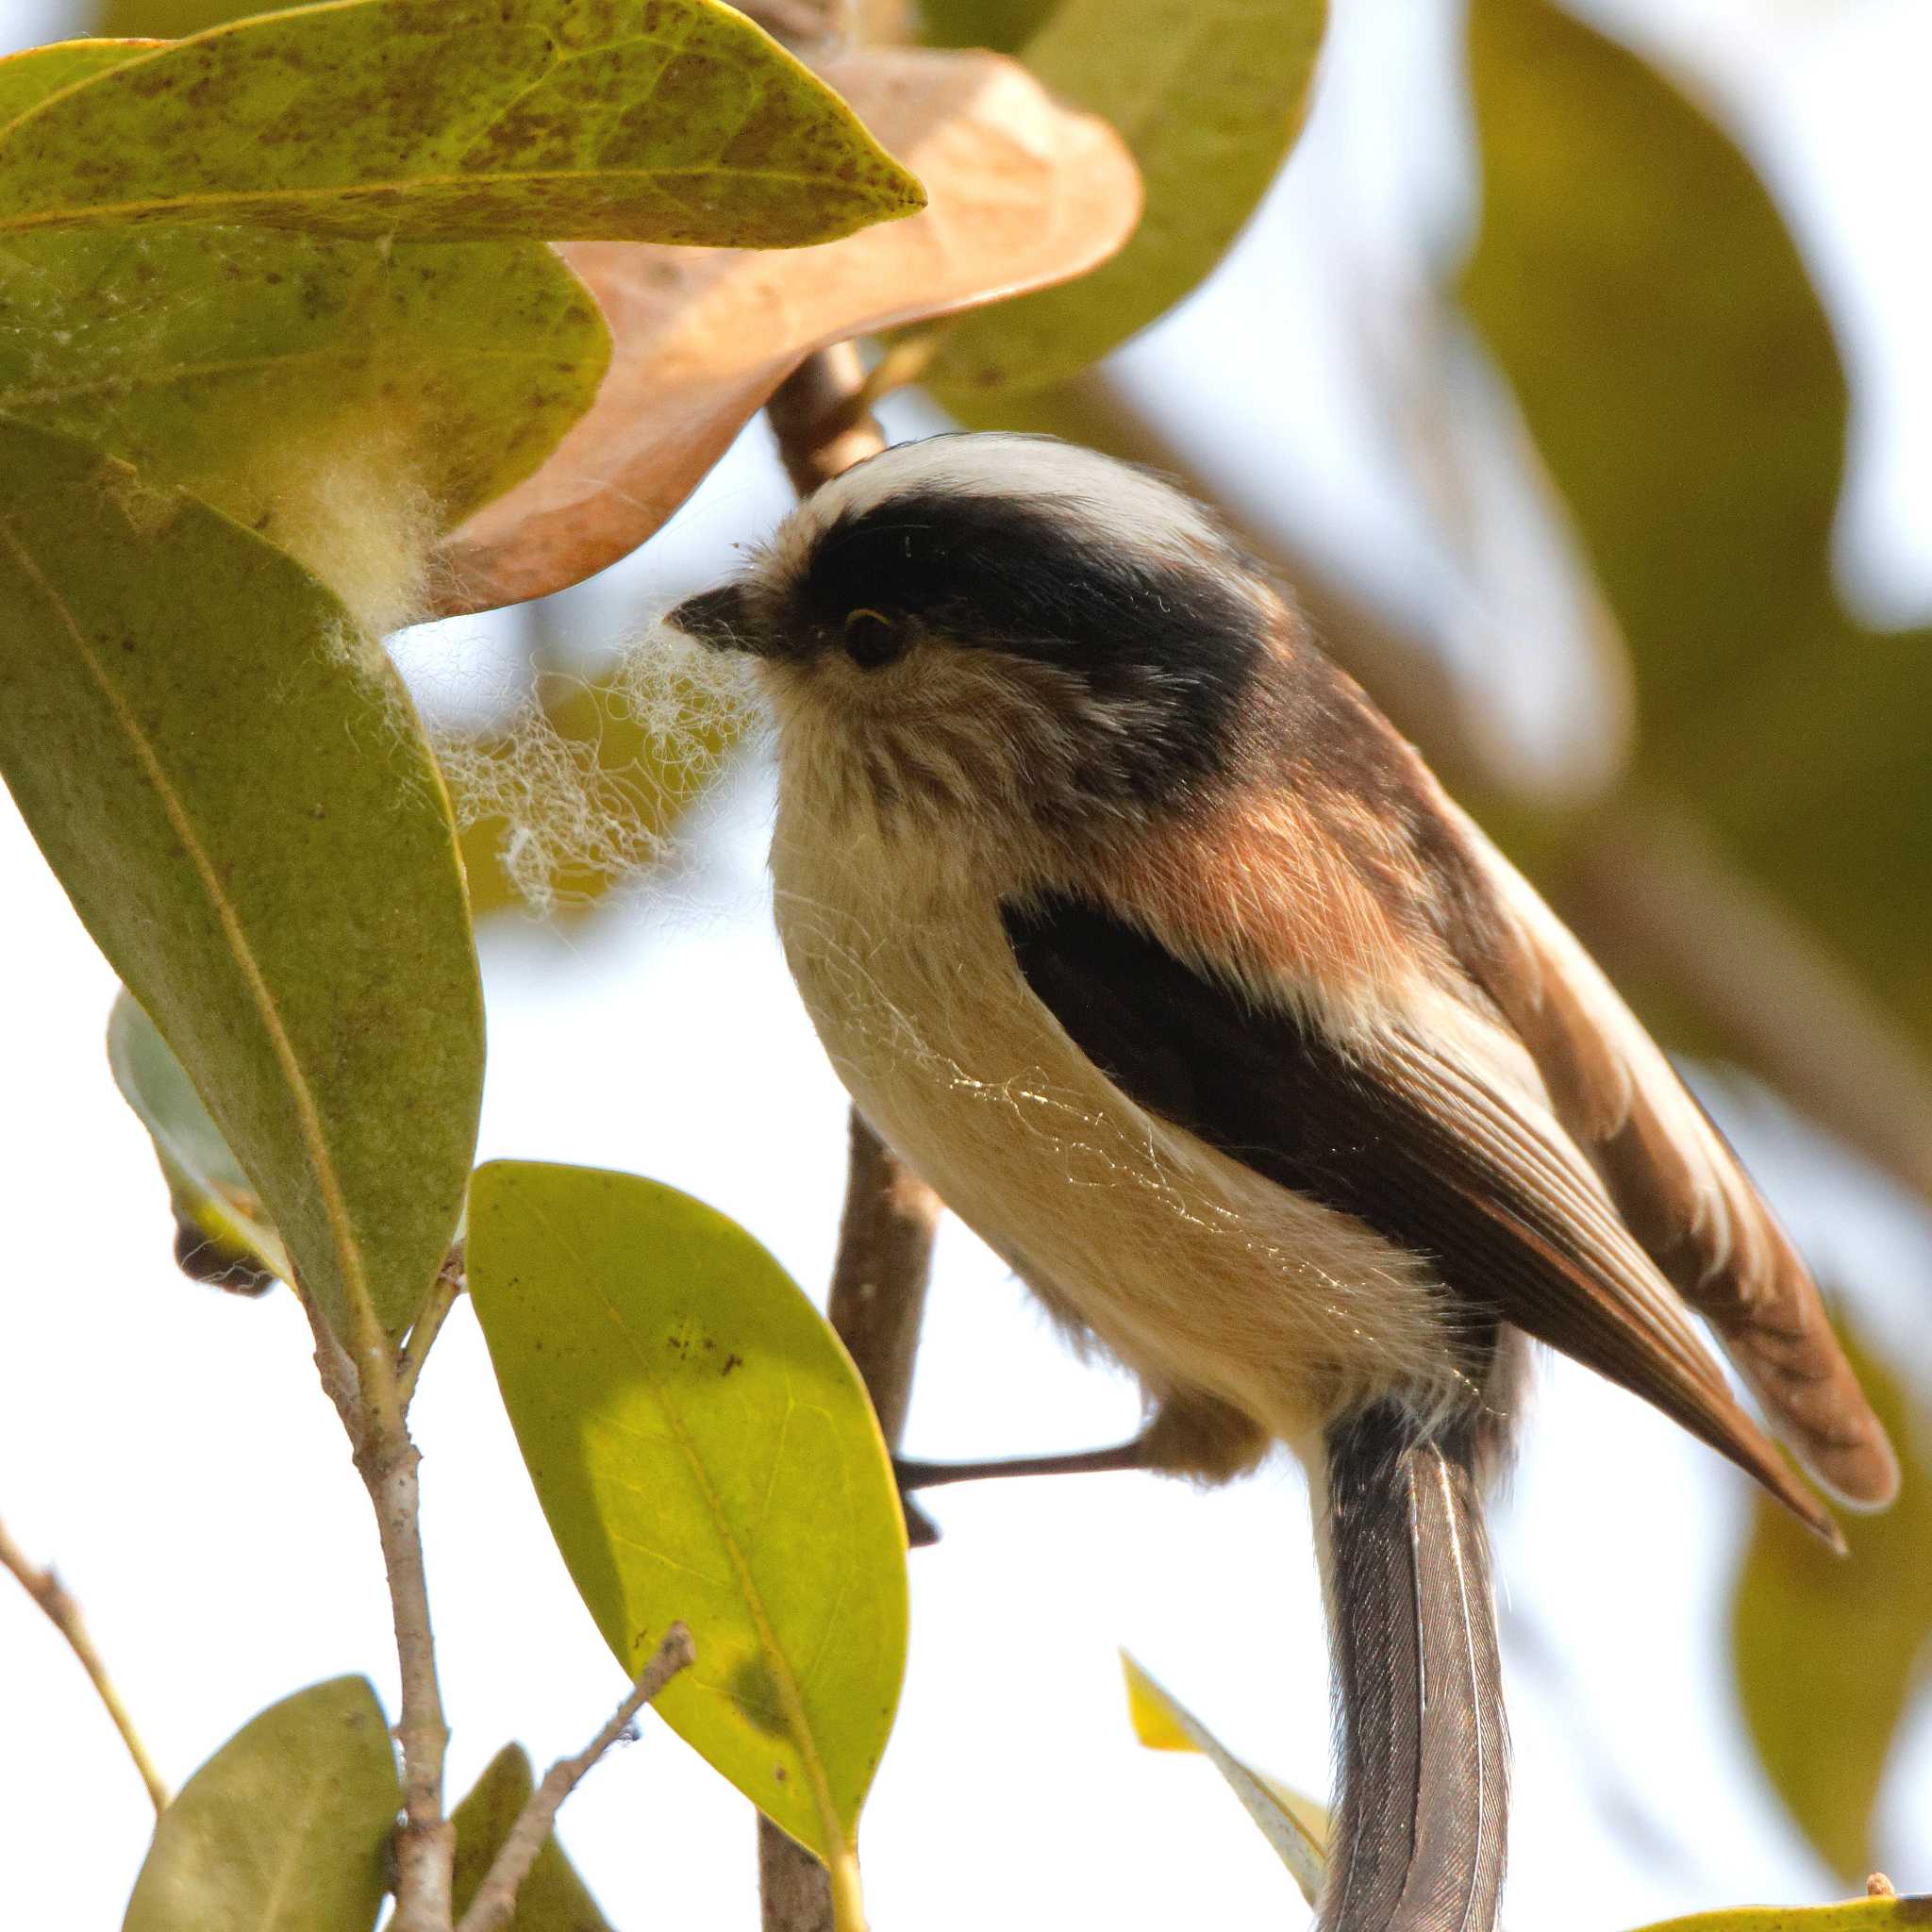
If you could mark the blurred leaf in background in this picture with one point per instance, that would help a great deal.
(1680, 378)
(286, 1829)
(1295, 1828)
(552, 1898)
(1005, 26)
(224, 1236)
(1210, 98)
(175, 19)
(1829, 1654)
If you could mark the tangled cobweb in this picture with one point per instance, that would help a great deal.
(587, 779)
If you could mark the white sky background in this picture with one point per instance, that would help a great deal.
(168, 1448)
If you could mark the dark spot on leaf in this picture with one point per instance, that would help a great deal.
(731, 1362)
(755, 1692)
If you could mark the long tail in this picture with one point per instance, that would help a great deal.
(1418, 1837)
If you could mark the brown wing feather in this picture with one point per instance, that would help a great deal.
(1678, 1187)
(1431, 1129)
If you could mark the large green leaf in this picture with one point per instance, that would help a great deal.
(278, 374)
(286, 1829)
(1296, 1828)
(462, 119)
(230, 783)
(1829, 1653)
(1210, 98)
(225, 1234)
(552, 1898)
(704, 1450)
(1676, 370)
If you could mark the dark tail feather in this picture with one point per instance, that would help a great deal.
(1420, 1834)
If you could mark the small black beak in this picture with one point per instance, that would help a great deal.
(722, 619)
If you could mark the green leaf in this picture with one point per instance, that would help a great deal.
(286, 378)
(1829, 1653)
(1210, 98)
(215, 1202)
(230, 782)
(1676, 367)
(1853, 1915)
(27, 79)
(462, 119)
(553, 1898)
(704, 1450)
(286, 1829)
(1297, 1828)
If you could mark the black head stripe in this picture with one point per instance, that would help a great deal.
(1023, 576)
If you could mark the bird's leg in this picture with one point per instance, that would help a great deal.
(921, 1530)
(914, 1475)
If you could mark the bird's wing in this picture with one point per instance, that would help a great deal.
(1677, 1185)
(1425, 1128)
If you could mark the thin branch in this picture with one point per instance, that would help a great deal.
(823, 425)
(428, 1325)
(879, 1276)
(65, 1614)
(495, 1900)
(367, 1394)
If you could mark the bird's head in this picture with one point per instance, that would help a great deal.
(990, 621)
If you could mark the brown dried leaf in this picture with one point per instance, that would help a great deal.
(1023, 193)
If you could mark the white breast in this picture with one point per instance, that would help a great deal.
(1199, 1275)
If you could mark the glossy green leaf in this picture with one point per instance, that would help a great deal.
(673, 120)
(213, 1198)
(1829, 1653)
(1297, 1828)
(286, 1829)
(553, 1898)
(1005, 26)
(1676, 370)
(1210, 98)
(1853, 1915)
(704, 1450)
(230, 783)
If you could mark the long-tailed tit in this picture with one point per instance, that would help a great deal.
(1137, 931)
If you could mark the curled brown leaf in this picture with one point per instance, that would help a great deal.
(1023, 193)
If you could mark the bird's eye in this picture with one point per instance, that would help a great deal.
(873, 639)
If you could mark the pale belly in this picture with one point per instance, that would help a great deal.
(1201, 1276)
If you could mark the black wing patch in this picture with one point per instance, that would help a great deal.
(1427, 1159)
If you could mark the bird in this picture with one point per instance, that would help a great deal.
(1133, 926)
